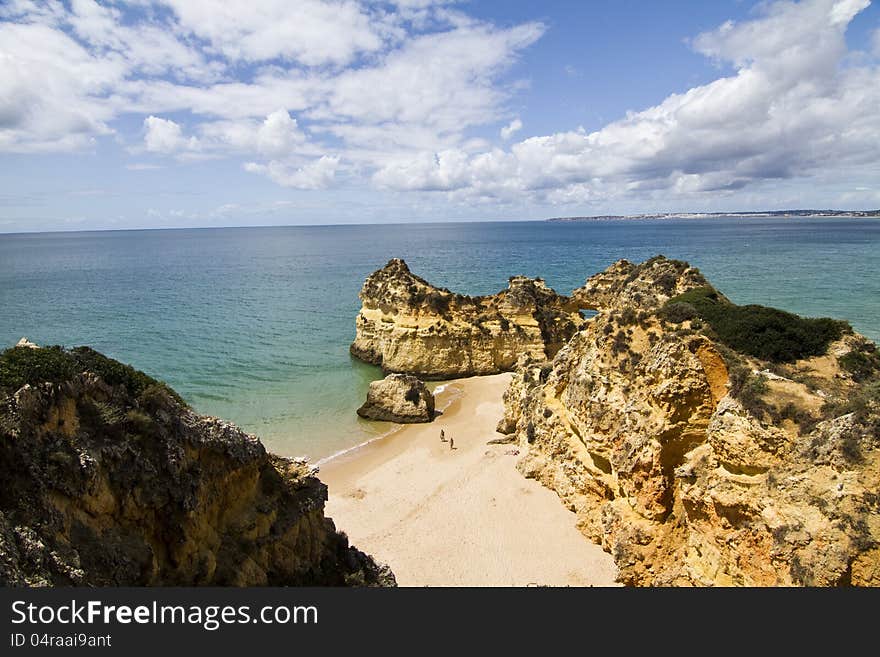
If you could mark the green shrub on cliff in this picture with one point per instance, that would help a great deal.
(766, 333)
(438, 302)
(627, 317)
(747, 387)
(21, 365)
(862, 366)
(115, 373)
(678, 312)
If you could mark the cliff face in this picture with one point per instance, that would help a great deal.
(696, 464)
(109, 479)
(407, 325)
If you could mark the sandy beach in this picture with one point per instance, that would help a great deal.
(463, 516)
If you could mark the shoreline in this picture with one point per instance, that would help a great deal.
(351, 452)
(458, 517)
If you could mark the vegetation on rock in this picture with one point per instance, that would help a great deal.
(27, 365)
(766, 333)
(861, 365)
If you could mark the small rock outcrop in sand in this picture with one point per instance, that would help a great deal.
(109, 479)
(685, 462)
(408, 325)
(398, 398)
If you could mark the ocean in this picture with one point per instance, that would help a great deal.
(253, 324)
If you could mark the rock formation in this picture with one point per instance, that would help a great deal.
(645, 286)
(398, 398)
(110, 479)
(408, 325)
(695, 463)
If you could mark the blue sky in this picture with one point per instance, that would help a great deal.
(176, 113)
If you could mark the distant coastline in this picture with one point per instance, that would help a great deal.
(709, 215)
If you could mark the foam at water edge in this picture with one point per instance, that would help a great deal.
(348, 450)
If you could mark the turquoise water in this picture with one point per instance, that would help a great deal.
(253, 324)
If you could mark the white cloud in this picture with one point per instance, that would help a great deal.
(147, 47)
(790, 40)
(420, 74)
(394, 93)
(790, 110)
(310, 32)
(277, 135)
(843, 11)
(226, 100)
(165, 136)
(443, 80)
(422, 95)
(513, 127)
(64, 73)
(36, 10)
(53, 95)
(315, 175)
(444, 171)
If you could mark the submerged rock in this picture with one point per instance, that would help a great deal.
(109, 479)
(408, 325)
(398, 398)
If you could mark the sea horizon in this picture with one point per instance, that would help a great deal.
(659, 216)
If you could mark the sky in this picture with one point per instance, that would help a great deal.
(183, 113)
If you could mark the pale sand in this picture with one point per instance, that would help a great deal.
(462, 517)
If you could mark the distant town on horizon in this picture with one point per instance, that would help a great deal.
(697, 215)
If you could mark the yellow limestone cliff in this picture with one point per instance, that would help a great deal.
(408, 325)
(694, 463)
(110, 479)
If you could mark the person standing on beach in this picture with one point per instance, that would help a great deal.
(442, 436)
(451, 443)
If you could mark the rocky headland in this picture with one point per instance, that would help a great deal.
(407, 325)
(109, 479)
(705, 443)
